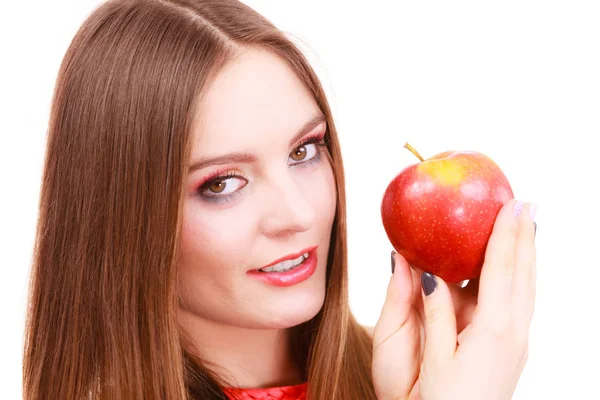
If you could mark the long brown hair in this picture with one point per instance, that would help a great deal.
(102, 311)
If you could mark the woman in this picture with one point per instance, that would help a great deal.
(190, 148)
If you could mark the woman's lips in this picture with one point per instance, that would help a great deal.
(290, 256)
(299, 274)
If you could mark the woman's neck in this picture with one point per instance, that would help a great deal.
(247, 358)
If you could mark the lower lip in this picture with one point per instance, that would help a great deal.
(289, 278)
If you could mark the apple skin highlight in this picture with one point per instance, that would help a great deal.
(439, 213)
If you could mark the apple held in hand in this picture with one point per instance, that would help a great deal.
(439, 213)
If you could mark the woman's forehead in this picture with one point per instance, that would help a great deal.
(255, 99)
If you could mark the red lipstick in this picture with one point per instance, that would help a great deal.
(299, 274)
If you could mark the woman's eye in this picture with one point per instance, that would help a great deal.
(304, 152)
(221, 187)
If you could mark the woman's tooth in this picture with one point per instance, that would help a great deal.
(287, 265)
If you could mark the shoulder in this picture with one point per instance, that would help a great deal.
(369, 330)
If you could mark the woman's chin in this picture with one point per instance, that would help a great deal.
(291, 311)
(298, 315)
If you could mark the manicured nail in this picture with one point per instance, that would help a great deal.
(428, 282)
(533, 210)
(518, 207)
(393, 261)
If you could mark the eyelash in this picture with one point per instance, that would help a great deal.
(318, 139)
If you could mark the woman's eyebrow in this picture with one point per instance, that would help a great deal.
(309, 126)
(249, 158)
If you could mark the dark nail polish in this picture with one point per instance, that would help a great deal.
(393, 261)
(534, 229)
(428, 282)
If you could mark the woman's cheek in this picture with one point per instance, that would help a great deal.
(327, 192)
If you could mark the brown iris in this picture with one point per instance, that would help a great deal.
(217, 186)
(301, 152)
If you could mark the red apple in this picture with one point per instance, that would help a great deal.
(439, 213)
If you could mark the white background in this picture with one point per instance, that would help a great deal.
(516, 80)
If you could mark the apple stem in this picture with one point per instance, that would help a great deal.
(412, 150)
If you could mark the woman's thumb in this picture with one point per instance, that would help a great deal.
(440, 321)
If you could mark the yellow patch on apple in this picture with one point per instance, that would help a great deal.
(448, 173)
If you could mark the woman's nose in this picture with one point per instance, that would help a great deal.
(287, 209)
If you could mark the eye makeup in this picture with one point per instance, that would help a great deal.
(223, 176)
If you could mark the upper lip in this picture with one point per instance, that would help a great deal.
(290, 256)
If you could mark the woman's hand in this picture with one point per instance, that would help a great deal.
(420, 349)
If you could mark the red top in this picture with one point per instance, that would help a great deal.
(294, 392)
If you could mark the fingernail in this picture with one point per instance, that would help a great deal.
(518, 207)
(393, 261)
(428, 282)
(534, 228)
(533, 210)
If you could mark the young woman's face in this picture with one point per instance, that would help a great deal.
(247, 211)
